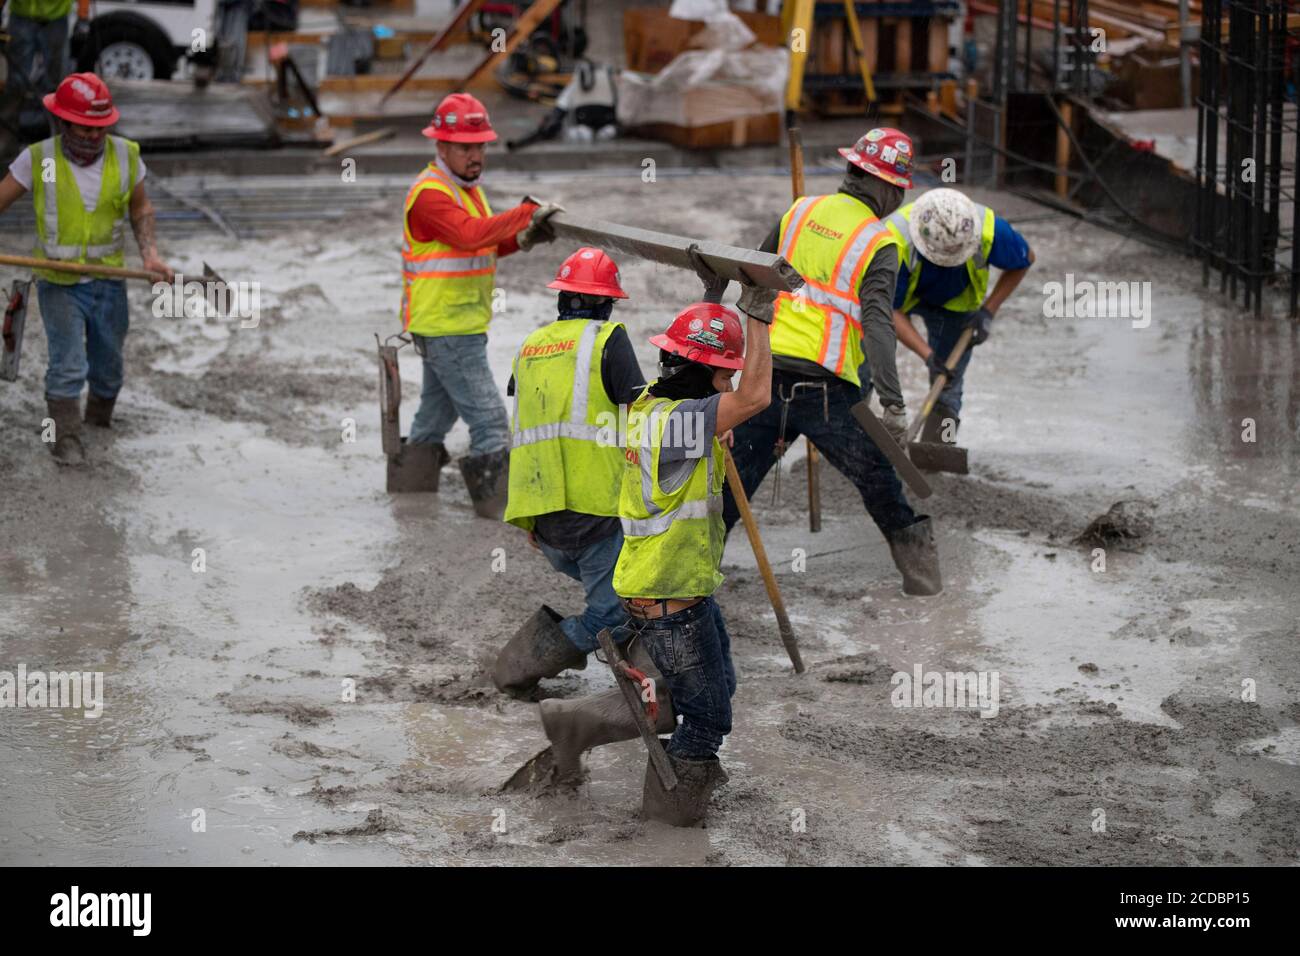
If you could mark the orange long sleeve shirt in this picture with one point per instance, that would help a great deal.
(436, 217)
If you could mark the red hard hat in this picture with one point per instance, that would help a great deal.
(591, 271)
(83, 98)
(460, 118)
(883, 152)
(707, 333)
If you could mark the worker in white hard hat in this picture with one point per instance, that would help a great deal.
(946, 245)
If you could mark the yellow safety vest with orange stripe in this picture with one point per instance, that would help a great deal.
(830, 241)
(445, 290)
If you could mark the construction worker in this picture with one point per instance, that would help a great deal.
(85, 185)
(848, 259)
(38, 42)
(449, 261)
(946, 245)
(570, 377)
(670, 504)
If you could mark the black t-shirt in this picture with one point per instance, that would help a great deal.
(621, 376)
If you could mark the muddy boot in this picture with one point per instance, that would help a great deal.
(915, 556)
(67, 448)
(99, 411)
(686, 804)
(417, 467)
(487, 478)
(576, 726)
(934, 429)
(538, 649)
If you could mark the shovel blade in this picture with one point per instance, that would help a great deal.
(936, 456)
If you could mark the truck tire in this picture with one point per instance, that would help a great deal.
(128, 46)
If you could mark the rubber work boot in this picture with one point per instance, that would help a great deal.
(914, 554)
(686, 804)
(417, 467)
(936, 430)
(488, 479)
(576, 726)
(99, 411)
(67, 448)
(538, 649)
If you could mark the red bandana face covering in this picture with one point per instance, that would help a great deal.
(80, 150)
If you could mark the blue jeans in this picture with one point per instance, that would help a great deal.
(85, 329)
(458, 384)
(837, 435)
(49, 41)
(693, 652)
(594, 567)
(942, 329)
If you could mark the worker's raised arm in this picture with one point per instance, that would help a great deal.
(755, 391)
(10, 189)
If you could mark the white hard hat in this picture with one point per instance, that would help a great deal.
(943, 227)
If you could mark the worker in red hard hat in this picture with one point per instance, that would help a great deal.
(84, 183)
(570, 379)
(452, 243)
(821, 335)
(670, 503)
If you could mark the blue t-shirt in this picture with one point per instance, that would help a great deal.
(938, 284)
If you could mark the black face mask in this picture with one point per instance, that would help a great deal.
(575, 305)
(691, 380)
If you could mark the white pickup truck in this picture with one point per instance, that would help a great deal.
(149, 39)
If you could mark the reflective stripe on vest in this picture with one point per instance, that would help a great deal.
(445, 291)
(64, 229)
(823, 321)
(672, 541)
(977, 266)
(563, 462)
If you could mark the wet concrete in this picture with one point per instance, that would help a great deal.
(228, 689)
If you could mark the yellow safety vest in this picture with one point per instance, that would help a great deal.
(64, 230)
(672, 541)
(977, 266)
(830, 240)
(446, 291)
(46, 11)
(564, 448)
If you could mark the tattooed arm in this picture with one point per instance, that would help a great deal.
(142, 224)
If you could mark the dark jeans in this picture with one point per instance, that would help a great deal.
(942, 329)
(37, 48)
(693, 652)
(85, 329)
(594, 567)
(838, 437)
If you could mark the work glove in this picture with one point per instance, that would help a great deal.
(538, 229)
(935, 364)
(895, 421)
(981, 320)
(756, 301)
(714, 284)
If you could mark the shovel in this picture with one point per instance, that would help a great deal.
(939, 456)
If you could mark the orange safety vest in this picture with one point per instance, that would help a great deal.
(445, 290)
(830, 241)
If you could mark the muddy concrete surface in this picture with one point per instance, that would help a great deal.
(233, 566)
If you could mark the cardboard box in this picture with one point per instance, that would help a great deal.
(651, 38)
(746, 131)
